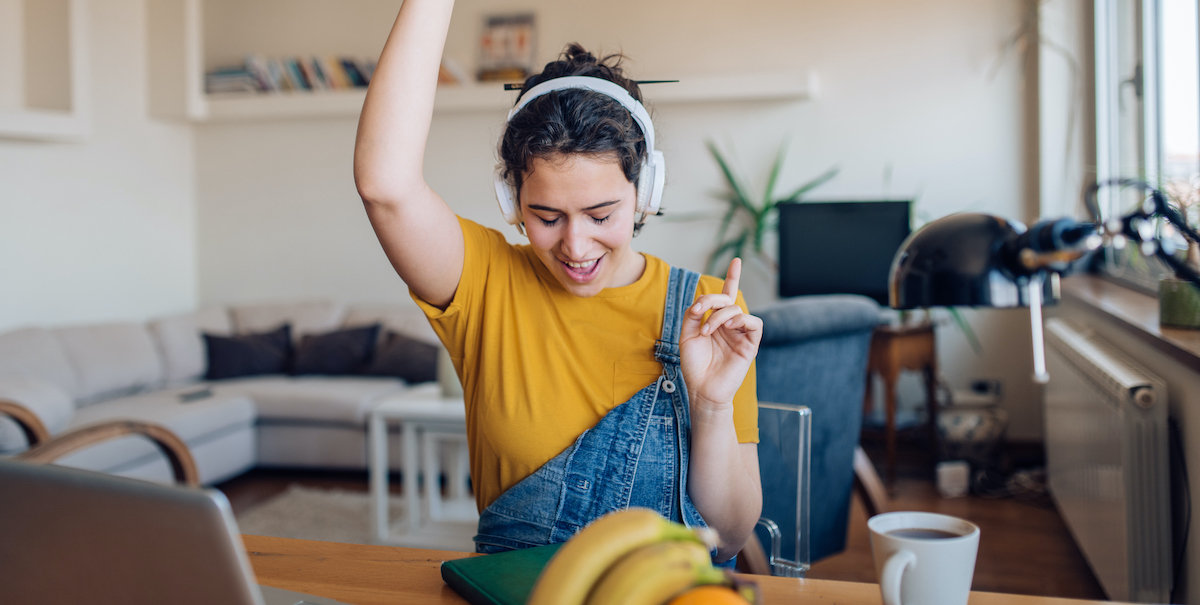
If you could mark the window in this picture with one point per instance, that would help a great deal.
(1147, 113)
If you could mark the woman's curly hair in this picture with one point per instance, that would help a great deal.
(574, 121)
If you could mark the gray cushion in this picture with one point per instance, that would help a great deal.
(311, 317)
(111, 360)
(37, 352)
(196, 422)
(52, 405)
(187, 419)
(178, 339)
(809, 317)
(334, 399)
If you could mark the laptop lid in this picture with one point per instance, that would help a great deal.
(74, 536)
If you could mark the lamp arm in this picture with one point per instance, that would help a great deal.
(1158, 205)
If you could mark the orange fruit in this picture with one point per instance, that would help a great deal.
(709, 595)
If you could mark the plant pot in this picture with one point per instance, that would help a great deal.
(1178, 304)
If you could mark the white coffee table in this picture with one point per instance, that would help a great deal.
(426, 420)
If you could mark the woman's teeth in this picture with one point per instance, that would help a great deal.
(582, 265)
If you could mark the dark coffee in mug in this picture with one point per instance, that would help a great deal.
(921, 533)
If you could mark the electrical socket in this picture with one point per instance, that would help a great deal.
(986, 386)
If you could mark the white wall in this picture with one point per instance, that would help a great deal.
(104, 229)
(918, 88)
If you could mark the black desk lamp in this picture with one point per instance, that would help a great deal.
(982, 260)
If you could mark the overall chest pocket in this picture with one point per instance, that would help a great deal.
(629, 377)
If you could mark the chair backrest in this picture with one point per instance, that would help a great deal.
(44, 449)
(784, 454)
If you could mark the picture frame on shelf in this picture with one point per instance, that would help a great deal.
(507, 47)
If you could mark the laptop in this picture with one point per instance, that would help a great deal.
(74, 536)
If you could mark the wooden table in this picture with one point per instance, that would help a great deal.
(894, 349)
(379, 575)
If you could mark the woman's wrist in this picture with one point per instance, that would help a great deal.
(707, 412)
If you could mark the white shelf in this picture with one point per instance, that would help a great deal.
(74, 124)
(44, 125)
(774, 86)
(176, 66)
(232, 107)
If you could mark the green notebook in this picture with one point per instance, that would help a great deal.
(504, 578)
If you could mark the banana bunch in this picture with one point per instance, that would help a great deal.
(628, 557)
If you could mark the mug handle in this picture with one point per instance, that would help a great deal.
(893, 570)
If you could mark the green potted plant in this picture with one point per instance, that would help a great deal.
(749, 218)
(1179, 300)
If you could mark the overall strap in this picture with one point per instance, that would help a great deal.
(681, 293)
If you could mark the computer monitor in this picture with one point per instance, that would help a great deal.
(840, 247)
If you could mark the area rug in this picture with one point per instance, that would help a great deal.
(334, 515)
(329, 515)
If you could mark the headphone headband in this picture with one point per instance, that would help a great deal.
(653, 173)
(600, 85)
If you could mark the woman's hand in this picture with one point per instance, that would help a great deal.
(716, 353)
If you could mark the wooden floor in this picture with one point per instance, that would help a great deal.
(1024, 545)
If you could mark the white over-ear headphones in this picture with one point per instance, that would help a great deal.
(653, 173)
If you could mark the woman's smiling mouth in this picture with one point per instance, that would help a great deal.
(581, 272)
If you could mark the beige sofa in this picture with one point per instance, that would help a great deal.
(79, 375)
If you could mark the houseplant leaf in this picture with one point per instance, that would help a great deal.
(819, 180)
(735, 245)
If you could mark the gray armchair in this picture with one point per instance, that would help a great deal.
(814, 353)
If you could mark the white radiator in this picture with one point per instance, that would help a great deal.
(1106, 448)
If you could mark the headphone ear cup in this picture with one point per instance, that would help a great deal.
(506, 196)
(651, 182)
(645, 187)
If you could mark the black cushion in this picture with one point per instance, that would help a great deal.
(404, 357)
(336, 353)
(249, 354)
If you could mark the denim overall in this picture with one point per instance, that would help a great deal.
(637, 455)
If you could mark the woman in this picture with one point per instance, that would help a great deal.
(595, 377)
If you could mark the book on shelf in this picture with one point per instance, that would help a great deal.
(257, 66)
(318, 74)
(335, 72)
(450, 72)
(230, 80)
(294, 75)
(261, 74)
(352, 72)
(306, 70)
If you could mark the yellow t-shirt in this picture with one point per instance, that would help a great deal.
(540, 365)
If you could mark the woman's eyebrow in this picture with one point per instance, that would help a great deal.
(589, 208)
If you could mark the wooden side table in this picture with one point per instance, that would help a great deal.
(893, 349)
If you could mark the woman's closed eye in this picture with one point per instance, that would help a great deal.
(599, 220)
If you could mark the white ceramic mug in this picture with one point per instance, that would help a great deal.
(923, 558)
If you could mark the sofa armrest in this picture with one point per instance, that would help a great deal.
(813, 317)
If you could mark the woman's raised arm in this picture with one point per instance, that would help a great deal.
(419, 233)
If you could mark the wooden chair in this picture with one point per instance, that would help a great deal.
(43, 448)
